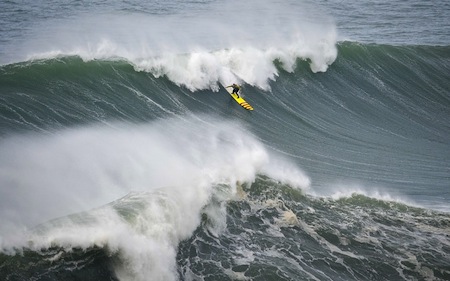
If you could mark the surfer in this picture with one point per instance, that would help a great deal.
(236, 89)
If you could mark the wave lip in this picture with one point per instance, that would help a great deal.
(198, 49)
(201, 69)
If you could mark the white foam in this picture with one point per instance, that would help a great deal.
(144, 237)
(168, 170)
(198, 49)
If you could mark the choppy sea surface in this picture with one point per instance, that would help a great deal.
(122, 157)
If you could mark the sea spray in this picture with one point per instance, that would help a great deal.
(158, 178)
(87, 167)
(198, 52)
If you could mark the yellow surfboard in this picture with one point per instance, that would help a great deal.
(239, 99)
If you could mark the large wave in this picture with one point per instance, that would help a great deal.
(220, 43)
(117, 149)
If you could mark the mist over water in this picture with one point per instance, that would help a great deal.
(134, 190)
(89, 167)
(218, 43)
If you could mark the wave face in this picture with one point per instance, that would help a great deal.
(123, 158)
(370, 135)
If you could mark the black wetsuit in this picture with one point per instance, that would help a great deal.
(236, 90)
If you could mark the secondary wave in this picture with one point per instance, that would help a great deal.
(167, 170)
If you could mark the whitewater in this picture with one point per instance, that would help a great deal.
(123, 158)
(195, 48)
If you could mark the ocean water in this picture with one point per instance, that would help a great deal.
(122, 157)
